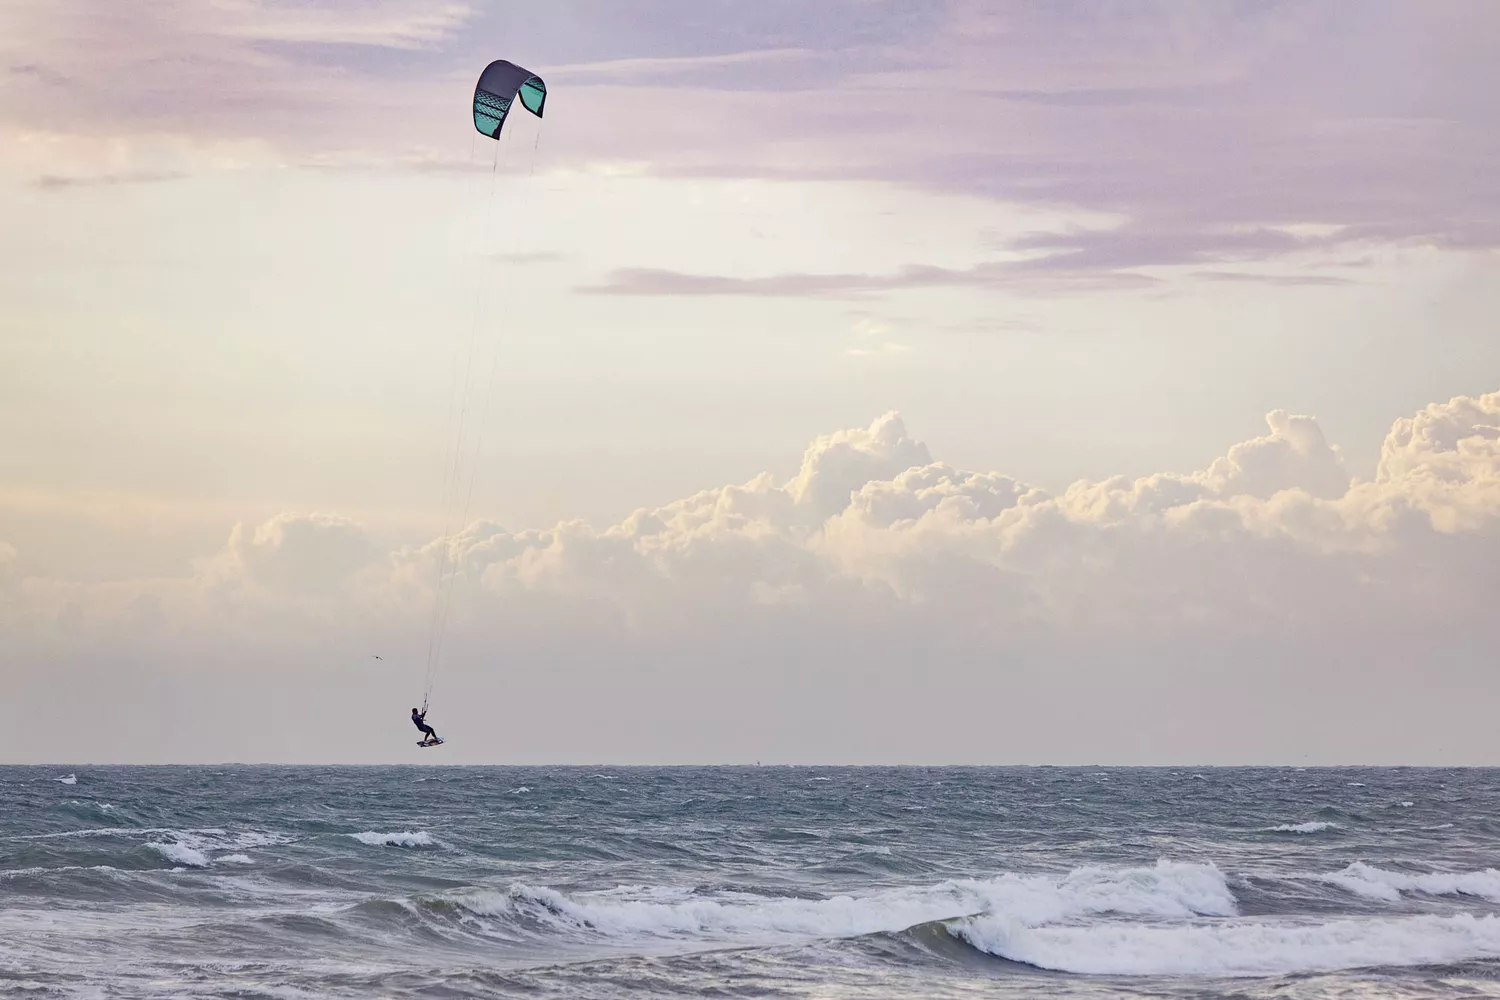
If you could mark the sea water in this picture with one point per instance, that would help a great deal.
(612, 882)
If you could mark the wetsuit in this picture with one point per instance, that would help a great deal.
(420, 721)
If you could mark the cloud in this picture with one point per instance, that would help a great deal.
(295, 553)
(1284, 280)
(41, 74)
(1294, 456)
(57, 182)
(1209, 132)
(1015, 276)
(1275, 531)
(671, 65)
(1272, 531)
(395, 24)
(1134, 246)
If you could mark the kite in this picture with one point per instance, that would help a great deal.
(499, 86)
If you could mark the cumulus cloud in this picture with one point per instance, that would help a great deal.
(1274, 530)
(298, 553)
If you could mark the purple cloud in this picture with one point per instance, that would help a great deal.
(1209, 128)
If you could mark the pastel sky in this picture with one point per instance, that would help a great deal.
(1051, 382)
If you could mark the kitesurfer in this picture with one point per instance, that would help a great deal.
(419, 719)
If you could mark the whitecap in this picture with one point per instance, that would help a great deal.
(1239, 947)
(1313, 826)
(41, 870)
(181, 854)
(1377, 883)
(1167, 890)
(402, 839)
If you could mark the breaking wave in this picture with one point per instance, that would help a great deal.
(1315, 826)
(1168, 919)
(181, 854)
(403, 839)
(1239, 948)
(1168, 889)
(1377, 883)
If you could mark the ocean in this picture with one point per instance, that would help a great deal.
(613, 882)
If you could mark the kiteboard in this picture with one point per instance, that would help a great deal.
(429, 743)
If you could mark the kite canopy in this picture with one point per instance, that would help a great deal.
(498, 87)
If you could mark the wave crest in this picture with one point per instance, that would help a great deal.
(181, 854)
(1314, 826)
(1377, 883)
(1240, 948)
(372, 838)
(1168, 889)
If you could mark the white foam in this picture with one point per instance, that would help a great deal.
(1239, 947)
(1315, 826)
(662, 913)
(1377, 883)
(191, 847)
(37, 870)
(522, 790)
(67, 779)
(124, 831)
(235, 859)
(181, 854)
(403, 839)
(1169, 889)
(1407, 805)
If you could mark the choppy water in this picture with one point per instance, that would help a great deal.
(754, 882)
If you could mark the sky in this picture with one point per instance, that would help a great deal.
(858, 382)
